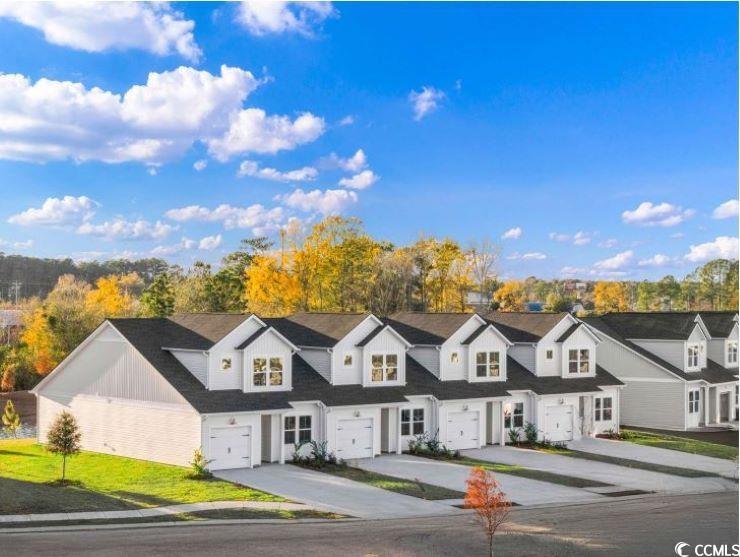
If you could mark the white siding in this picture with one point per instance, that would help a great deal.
(319, 359)
(385, 342)
(351, 375)
(234, 420)
(472, 405)
(524, 354)
(552, 367)
(195, 362)
(226, 348)
(429, 421)
(716, 351)
(656, 404)
(301, 409)
(427, 356)
(334, 415)
(487, 341)
(452, 371)
(267, 346)
(672, 351)
(580, 339)
(621, 362)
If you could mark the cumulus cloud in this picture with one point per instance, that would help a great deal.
(355, 163)
(534, 255)
(425, 101)
(253, 169)
(67, 211)
(100, 26)
(200, 164)
(327, 202)
(19, 245)
(572, 271)
(255, 217)
(121, 229)
(723, 247)
(182, 245)
(619, 261)
(662, 214)
(265, 17)
(657, 260)
(252, 130)
(580, 238)
(512, 233)
(727, 210)
(347, 120)
(151, 123)
(609, 243)
(210, 242)
(360, 181)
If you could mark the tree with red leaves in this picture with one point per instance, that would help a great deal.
(491, 505)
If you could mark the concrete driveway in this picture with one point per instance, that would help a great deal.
(332, 493)
(625, 478)
(522, 491)
(654, 455)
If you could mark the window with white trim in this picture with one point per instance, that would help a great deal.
(731, 351)
(548, 354)
(579, 360)
(384, 367)
(693, 402)
(487, 364)
(412, 421)
(225, 364)
(297, 428)
(454, 357)
(513, 415)
(260, 375)
(693, 355)
(348, 360)
(603, 409)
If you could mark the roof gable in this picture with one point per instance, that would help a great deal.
(322, 329)
(653, 325)
(200, 331)
(719, 323)
(429, 328)
(519, 326)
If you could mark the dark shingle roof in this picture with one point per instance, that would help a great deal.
(200, 331)
(570, 331)
(719, 323)
(427, 327)
(652, 325)
(710, 373)
(318, 329)
(475, 334)
(257, 334)
(523, 326)
(375, 332)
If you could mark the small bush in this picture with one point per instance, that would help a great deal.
(319, 457)
(530, 433)
(429, 445)
(514, 436)
(199, 466)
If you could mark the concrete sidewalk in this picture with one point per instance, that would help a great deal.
(154, 511)
(332, 493)
(629, 478)
(653, 455)
(522, 491)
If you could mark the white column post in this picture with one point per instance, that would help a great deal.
(704, 391)
(281, 438)
(502, 442)
(398, 431)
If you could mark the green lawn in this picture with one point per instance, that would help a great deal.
(391, 483)
(682, 444)
(101, 482)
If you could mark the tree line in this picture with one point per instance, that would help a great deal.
(334, 266)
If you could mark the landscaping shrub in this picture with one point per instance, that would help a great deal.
(199, 466)
(429, 445)
(319, 457)
(530, 433)
(514, 436)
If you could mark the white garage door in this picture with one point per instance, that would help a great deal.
(463, 430)
(355, 438)
(559, 423)
(231, 447)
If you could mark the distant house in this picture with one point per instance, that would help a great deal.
(534, 306)
(11, 323)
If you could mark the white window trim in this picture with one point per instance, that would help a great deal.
(695, 348)
(412, 421)
(549, 354)
(578, 361)
(488, 364)
(231, 363)
(599, 412)
(351, 360)
(729, 345)
(455, 357)
(298, 427)
(384, 368)
(267, 386)
(694, 402)
(512, 407)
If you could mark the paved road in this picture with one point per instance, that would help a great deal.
(646, 526)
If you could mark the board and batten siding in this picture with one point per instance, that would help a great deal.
(268, 345)
(384, 343)
(195, 362)
(457, 370)
(552, 367)
(347, 346)
(122, 405)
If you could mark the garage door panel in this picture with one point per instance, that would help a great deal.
(463, 430)
(355, 438)
(559, 423)
(230, 447)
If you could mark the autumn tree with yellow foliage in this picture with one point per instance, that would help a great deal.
(511, 296)
(611, 296)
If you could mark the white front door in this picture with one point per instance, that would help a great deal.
(695, 408)
(463, 430)
(559, 423)
(231, 447)
(355, 438)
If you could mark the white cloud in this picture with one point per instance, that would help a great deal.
(151, 123)
(677, 235)
(347, 120)
(256, 217)
(252, 130)
(580, 238)
(200, 164)
(615, 263)
(355, 163)
(512, 233)
(25, 244)
(263, 17)
(326, 202)
(723, 247)
(534, 255)
(67, 211)
(425, 101)
(210, 242)
(120, 229)
(662, 214)
(657, 260)
(182, 245)
(573, 271)
(727, 210)
(100, 26)
(360, 181)
(609, 243)
(251, 168)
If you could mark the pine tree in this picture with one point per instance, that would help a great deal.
(11, 419)
(64, 438)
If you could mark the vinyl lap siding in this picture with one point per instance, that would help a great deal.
(524, 354)
(427, 356)
(319, 359)
(653, 404)
(195, 362)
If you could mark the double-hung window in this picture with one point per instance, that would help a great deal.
(603, 409)
(693, 356)
(693, 402)
(578, 360)
(412, 421)
(297, 428)
(513, 415)
(731, 351)
(487, 364)
(384, 367)
(225, 364)
(260, 375)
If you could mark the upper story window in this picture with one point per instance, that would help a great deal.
(384, 367)
(487, 364)
(693, 402)
(454, 357)
(348, 360)
(548, 354)
(693, 355)
(579, 360)
(260, 371)
(513, 415)
(731, 351)
(297, 428)
(412, 421)
(225, 364)
(603, 409)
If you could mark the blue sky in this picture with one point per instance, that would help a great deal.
(601, 137)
